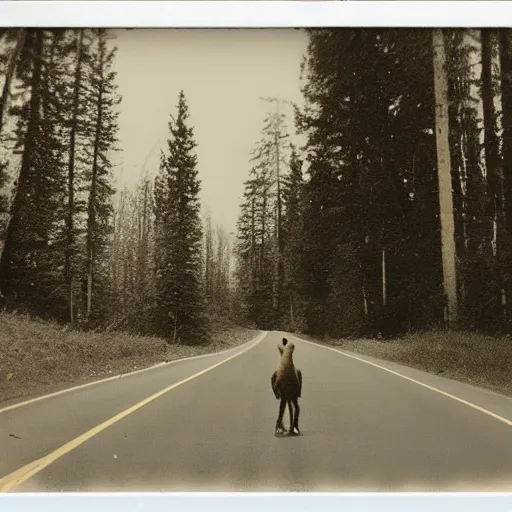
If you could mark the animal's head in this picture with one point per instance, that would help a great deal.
(287, 347)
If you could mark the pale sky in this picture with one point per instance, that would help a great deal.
(223, 72)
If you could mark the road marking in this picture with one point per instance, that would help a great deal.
(16, 478)
(432, 388)
(120, 376)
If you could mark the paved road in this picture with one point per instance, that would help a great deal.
(364, 428)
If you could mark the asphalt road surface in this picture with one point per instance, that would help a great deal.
(367, 425)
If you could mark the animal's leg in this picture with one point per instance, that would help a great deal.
(295, 429)
(279, 422)
(290, 410)
(275, 385)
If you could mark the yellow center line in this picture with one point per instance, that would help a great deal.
(21, 475)
(419, 383)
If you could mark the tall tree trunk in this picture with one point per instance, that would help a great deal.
(494, 206)
(384, 283)
(263, 234)
(492, 157)
(14, 226)
(114, 251)
(444, 176)
(365, 302)
(253, 246)
(208, 260)
(69, 271)
(279, 263)
(505, 52)
(220, 291)
(9, 75)
(144, 245)
(91, 221)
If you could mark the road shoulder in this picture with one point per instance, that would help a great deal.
(480, 397)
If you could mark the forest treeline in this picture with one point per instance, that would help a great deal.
(348, 234)
(352, 234)
(74, 249)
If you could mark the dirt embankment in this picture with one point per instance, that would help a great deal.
(39, 357)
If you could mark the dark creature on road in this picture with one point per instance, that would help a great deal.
(287, 386)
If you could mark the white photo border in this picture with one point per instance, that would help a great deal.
(113, 13)
(256, 502)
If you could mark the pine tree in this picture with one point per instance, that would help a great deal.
(31, 260)
(77, 95)
(293, 185)
(320, 237)
(260, 227)
(271, 160)
(371, 155)
(209, 261)
(11, 261)
(336, 209)
(43, 265)
(247, 255)
(257, 247)
(104, 98)
(180, 306)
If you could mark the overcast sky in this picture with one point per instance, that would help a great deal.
(223, 73)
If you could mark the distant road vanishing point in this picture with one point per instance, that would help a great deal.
(207, 424)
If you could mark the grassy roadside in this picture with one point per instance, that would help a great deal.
(38, 357)
(483, 361)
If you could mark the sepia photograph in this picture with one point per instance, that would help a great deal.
(255, 259)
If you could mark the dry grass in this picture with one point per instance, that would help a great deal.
(477, 359)
(37, 357)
